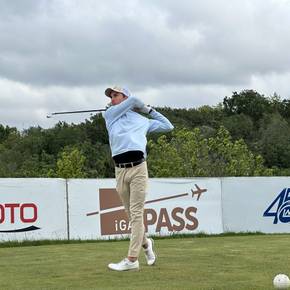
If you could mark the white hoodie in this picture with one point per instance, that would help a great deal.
(127, 129)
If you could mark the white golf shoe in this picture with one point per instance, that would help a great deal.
(124, 265)
(149, 253)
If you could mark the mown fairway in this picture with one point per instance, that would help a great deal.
(231, 262)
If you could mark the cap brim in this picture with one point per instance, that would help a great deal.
(108, 92)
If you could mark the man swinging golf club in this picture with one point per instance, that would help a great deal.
(127, 135)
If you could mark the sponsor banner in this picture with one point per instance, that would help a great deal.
(256, 204)
(84, 207)
(172, 206)
(37, 208)
(32, 209)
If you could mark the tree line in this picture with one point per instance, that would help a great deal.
(247, 134)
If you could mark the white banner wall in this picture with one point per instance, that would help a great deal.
(32, 209)
(172, 206)
(256, 204)
(84, 207)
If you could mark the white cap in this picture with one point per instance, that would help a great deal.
(117, 89)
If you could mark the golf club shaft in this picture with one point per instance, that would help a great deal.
(75, 112)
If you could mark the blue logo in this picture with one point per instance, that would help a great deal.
(280, 207)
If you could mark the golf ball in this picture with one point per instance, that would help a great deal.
(281, 281)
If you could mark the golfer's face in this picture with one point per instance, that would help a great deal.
(117, 98)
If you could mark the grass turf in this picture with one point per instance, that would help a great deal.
(222, 262)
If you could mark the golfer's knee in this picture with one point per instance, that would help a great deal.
(136, 214)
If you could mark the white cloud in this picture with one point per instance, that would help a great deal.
(272, 83)
(24, 106)
(61, 54)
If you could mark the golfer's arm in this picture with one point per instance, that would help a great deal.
(159, 123)
(115, 112)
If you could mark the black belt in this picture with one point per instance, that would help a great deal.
(130, 164)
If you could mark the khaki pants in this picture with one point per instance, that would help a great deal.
(132, 186)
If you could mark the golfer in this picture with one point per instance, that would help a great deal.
(127, 135)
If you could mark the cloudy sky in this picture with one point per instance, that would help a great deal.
(60, 55)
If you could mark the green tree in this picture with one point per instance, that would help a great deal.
(71, 164)
(240, 126)
(11, 157)
(262, 122)
(274, 141)
(247, 102)
(99, 163)
(6, 131)
(280, 106)
(188, 154)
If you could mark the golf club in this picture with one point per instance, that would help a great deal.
(74, 112)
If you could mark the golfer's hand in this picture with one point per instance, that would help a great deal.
(108, 105)
(145, 109)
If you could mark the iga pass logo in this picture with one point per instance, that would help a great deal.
(280, 207)
(114, 219)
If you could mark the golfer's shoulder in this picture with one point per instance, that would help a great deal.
(136, 101)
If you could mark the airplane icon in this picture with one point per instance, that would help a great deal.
(198, 192)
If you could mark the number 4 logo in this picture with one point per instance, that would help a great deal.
(280, 207)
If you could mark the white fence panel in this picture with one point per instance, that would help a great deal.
(84, 206)
(37, 209)
(32, 209)
(256, 204)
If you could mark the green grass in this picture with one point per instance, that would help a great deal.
(247, 262)
(29, 243)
